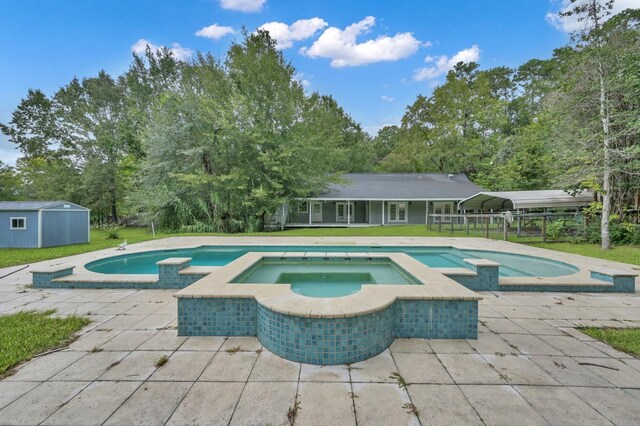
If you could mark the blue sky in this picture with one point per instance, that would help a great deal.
(374, 57)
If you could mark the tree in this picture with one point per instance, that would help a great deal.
(9, 183)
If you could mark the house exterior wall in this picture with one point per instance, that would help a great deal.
(64, 227)
(19, 238)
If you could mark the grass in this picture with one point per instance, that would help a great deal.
(623, 339)
(11, 257)
(25, 334)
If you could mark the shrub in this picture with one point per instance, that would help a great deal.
(555, 229)
(112, 232)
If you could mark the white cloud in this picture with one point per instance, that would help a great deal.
(214, 32)
(285, 34)
(570, 23)
(303, 81)
(246, 6)
(341, 47)
(179, 52)
(443, 64)
(387, 98)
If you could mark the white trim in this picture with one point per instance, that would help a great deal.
(382, 199)
(305, 202)
(349, 211)
(89, 226)
(39, 228)
(397, 204)
(23, 228)
(315, 203)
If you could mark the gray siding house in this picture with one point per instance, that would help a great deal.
(384, 199)
(32, 224)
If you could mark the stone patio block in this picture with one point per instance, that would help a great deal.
(568, 372)
(529, 345)
(382, 404)
(376, 369)
(272, 368)
(324, 373)
(229, 367)
(93, 405)
(92, 366)
(38, 404)
(138, 365)
(442, 404)
(421, 368)
(501, 405)
(503, 326)
(151, 404)
(262, 403)
(561, 407)
(520, 370)
(325, 404)
(615, 404)
(614, 371)
(245, 343)
(163, 340)
(183, 366)
(44, 367)
(571, 346)
(128, 340)
(202, 343)
(410, 345)
(470, 369)
(10, 391)
(490, 343)
(449, 346)
(207, 404)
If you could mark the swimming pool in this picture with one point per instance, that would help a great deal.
(318, 277)
(511, 265)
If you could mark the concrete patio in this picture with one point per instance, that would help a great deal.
(528, 366)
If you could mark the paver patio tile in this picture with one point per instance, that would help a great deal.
(503, 326)
(123, 322)
(244, 343)
(202, 343)
(520, 370)
(128, 340)
(616, 405)
(92, 366)
(10, 391)
(614, 353)
(265, 402)
(324, 373)
(44, 367)
(410, 345)
(376, 369)
(449, 346)
(114, 308)
(154, 322)
(145, 308)
(382, 404)
(490, 343)
(571, 346)
(136, 366)
(151, 404)
(501, 405)
(93, 339)
(529, 345)
(421, 368)
(561, 407)
(621, 375)
(38, 404)
(163, 340)
(325, 404)
(537, 326)
(93, 405)
(183, 366)
(442, 404)
(229, 367)
(568, 372)
(470, 369)
(272, 368)
(207, 404)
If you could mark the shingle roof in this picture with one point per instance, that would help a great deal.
(527, 200)
(29, 205)
(401, 186)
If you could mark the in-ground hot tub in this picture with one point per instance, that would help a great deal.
(244, 298)
(326, 277)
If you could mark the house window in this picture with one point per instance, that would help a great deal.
(398, 212)
(18, 223)
(303, 207)
(444, 209)
(344, 212)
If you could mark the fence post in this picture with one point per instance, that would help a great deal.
(487, 226)
(544, 229)
(440, 224)
(505, 229)
(466, 219)
(451, 220)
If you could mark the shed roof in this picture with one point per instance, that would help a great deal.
(32, 205)
(508, 200)
(401, 186)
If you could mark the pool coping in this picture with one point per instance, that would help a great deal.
(371, 298)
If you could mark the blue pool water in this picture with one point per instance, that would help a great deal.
(511, 265)
(317, 277)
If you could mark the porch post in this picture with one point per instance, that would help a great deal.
(382, 212)
(426, 213)
(349, 213)
(309, 210)
(369, 207)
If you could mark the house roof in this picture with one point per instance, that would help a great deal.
(508, 200)
(400, 186)
(31, 205)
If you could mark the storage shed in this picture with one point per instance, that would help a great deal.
(32, 224)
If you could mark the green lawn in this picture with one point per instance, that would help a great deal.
(26, 334)
(623, 339)
(10, 257)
